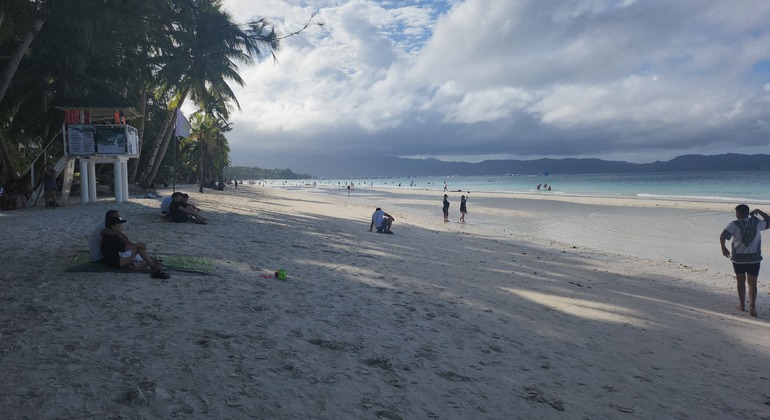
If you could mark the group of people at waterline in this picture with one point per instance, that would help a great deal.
(382, 221)
(463, 208)
(745, 251)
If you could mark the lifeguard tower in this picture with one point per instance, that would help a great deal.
(94, 134)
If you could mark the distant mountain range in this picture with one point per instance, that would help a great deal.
(403, 167)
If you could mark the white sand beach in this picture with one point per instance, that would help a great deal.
(540, 307)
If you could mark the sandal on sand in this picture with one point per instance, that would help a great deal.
(159, 274)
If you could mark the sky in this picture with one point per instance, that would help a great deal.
(633, 80)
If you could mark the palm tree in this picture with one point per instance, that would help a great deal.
(76, 53)
(22, 21)
(203, 57)
(207, 146)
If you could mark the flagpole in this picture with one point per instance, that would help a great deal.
(173, 172)
(181, 129)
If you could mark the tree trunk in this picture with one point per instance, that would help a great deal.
(159, 152)
(8, 163)
(161, 144)
(5, 82)
(134, 164)
(201, 169)
(18, 54)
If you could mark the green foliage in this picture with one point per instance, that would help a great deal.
(244, 172)
(170, 49)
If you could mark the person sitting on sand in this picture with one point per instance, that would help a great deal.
(118, 251)
(747, 251)
(165, 205)
(186, 201)
(181, 211)
(14, 196)
(382, 221)
(95, 242)
(151, 192)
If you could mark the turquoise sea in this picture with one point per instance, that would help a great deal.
(753, 187)
(653, 233)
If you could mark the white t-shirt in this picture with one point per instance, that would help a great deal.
(165, 204)
(95, 243)
(750, 251)
(378, 216)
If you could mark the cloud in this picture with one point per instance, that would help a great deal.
(515, 78)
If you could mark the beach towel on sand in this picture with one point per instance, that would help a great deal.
(172, 262)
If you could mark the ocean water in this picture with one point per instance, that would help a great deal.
(750, 187)
(654, 233)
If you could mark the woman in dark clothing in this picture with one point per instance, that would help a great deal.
(446, 208)
(50, 186)
(463, 208)
(118, 251)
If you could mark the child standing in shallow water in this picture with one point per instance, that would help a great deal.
(463, 208)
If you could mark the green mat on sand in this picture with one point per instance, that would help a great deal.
(172, 262)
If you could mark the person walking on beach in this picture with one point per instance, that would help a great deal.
(445, 187)
(463, 208)
(446, 208)
(382, 221)
(49, 186)
(746, 252)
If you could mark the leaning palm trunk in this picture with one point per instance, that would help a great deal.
(134, 166)
(161, 143)
(18, 54)
(8, 162)
(5, 82)
(202, 169)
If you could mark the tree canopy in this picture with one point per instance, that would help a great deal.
(152, 55)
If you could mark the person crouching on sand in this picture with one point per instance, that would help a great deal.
(746, 251)
(382, 221)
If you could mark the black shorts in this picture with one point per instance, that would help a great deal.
(750, 269)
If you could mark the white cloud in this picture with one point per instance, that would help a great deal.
(466, 77)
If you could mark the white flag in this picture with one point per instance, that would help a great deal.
(182, 125)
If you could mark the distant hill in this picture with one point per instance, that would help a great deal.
(244, 172)
(394, 166)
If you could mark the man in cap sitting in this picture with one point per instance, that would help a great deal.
(118, 251)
